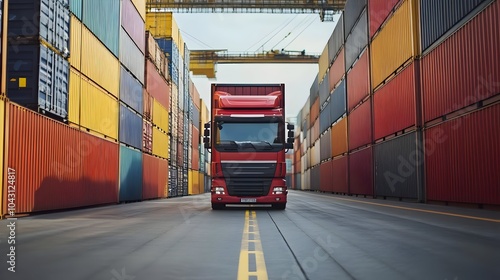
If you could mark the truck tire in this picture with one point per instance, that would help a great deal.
(218, 206)
(279, 206)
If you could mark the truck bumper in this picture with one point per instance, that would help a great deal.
(269, 199)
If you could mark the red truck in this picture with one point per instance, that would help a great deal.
(247, 138)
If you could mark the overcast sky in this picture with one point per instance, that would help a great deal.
(247, 33)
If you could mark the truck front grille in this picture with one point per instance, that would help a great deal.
(247, 178)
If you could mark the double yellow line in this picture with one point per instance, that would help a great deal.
(251, 250)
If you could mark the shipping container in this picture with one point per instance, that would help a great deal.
(147, 137)
(140, 5)
(103, 19)
(378, 11)
(155, 177)
(340, 175)
(394, 107)
(326, 177)
(32, 20)
(338, 102)
(133, 24)
(358, 81)
(172, 51)
(469, 147)
(195, 140)
(76, 7)
(395, 167)
(162, 25)
(306, 184)
(195, 159)
(438, 19)
(352, 12)
(131, 91)
(336, 40)
(314, 112)
(315, 131)
(325, 119)
(360, 126)
(130, 127)
(298, 181)
(75, 43)
(324, 91)
(38, 79)
(396, 43)
(314, 90)
(357, 41)
(81, 171)
(156, 86)
(160, 116)
(324, 64)
(131, 176)
(339, 138)
(131, 56)
(160, 143)
(465, 68)
(326, 146)
(361, 172)
(148, 105)
(156, 55)
(107, 77)
(337, 70)
(314, 178)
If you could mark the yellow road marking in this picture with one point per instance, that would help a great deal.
(422, 210)
(251, 228)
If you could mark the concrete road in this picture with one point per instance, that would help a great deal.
(318, 236)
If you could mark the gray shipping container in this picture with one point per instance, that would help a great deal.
(314, 179)
(324, 91)
(337, 40)
(33, 19)
(131, 91)
(325, 119)
(103, 19)
(38, 79)
(326, 146)
(357, 41)
(130, 127)
(352, 10)
(395, 167)
(338, 102)
(298, 181)
(314, 91)
(131, 56)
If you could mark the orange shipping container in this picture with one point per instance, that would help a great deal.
(339, 138)
(314, 112)
(155, 177)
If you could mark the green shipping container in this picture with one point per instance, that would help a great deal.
(103, 19)
(130, 174)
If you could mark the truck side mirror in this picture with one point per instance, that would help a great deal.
(207, 125)
(206, 133)
(290, 134)
(290, 127)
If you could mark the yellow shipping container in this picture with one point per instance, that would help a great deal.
(2, 151)
(99, 64)
(160, 143)
(99, 110)
(323, 63)
(140, 5)
(163, 25)
(190, 182)
(339, 137)
(181, 46)
(75, 41)
(201, 182)
(160, 116)
(396, 43)
(75, 88)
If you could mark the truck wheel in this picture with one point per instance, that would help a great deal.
(218, 206)
(279, 206)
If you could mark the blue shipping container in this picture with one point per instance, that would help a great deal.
(103, 19)
(131, 91)
(130, 174)
(130, 127)
(338, 102)
(325, 118)
(38, 79)
(171, 48)
(356, 42)
(131, 56)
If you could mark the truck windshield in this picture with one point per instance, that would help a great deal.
(257, 136)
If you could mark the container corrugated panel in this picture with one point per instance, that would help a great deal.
(75, 83)
(314, 90)
(358, 81)
(82, 171)
(352, 11)
(360, 126)
(130, 127)
(196, 117)
(338, 102)
(378, 11)
(395, 175)
(437, 18)
(339, 138)
(107, 77)
(155, 177)
(469, 147)
(160, 143)
(357, 41)
(298, 181)
(324, 119)
(195, 141)
(396, 43)
(131, 56)
(103, 18)
(465, 68)
(140, 5)
(131, 91)
(75, 43)
(336, 40)
(156, 86)
(314, 112)
(148, 105)
(131, 166)
(324, 63)
(324, 91)
(394, 104)
(147, 137)
(171, 48)
(315, 178)
(339, 174)
(315, 131)
(326, 177)
(38, 79)
(48, 19)
(160, 116)
(195, 159)
(326, 146)
(361, 172)
(99, 110)
(76, 7)
(134, 24)
(337, 70)
(306, 184)
(162, 25)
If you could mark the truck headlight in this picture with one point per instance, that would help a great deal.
(278, 190)
(219, 190)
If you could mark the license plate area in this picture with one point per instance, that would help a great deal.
(248, 200)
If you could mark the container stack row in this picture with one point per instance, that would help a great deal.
(405, 104)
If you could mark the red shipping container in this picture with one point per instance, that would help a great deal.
(314, 112)
(180, 154)
(337, 70)
(195, 159)
(462, 157)
(361, 172)
(156, 85)
(56, 166)
(155, 177)
(358, 81)
(195, 141)
(394, 106)
(465, 68)
(378, 10)
(360, 126)
(339, 175)
(326, 180)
